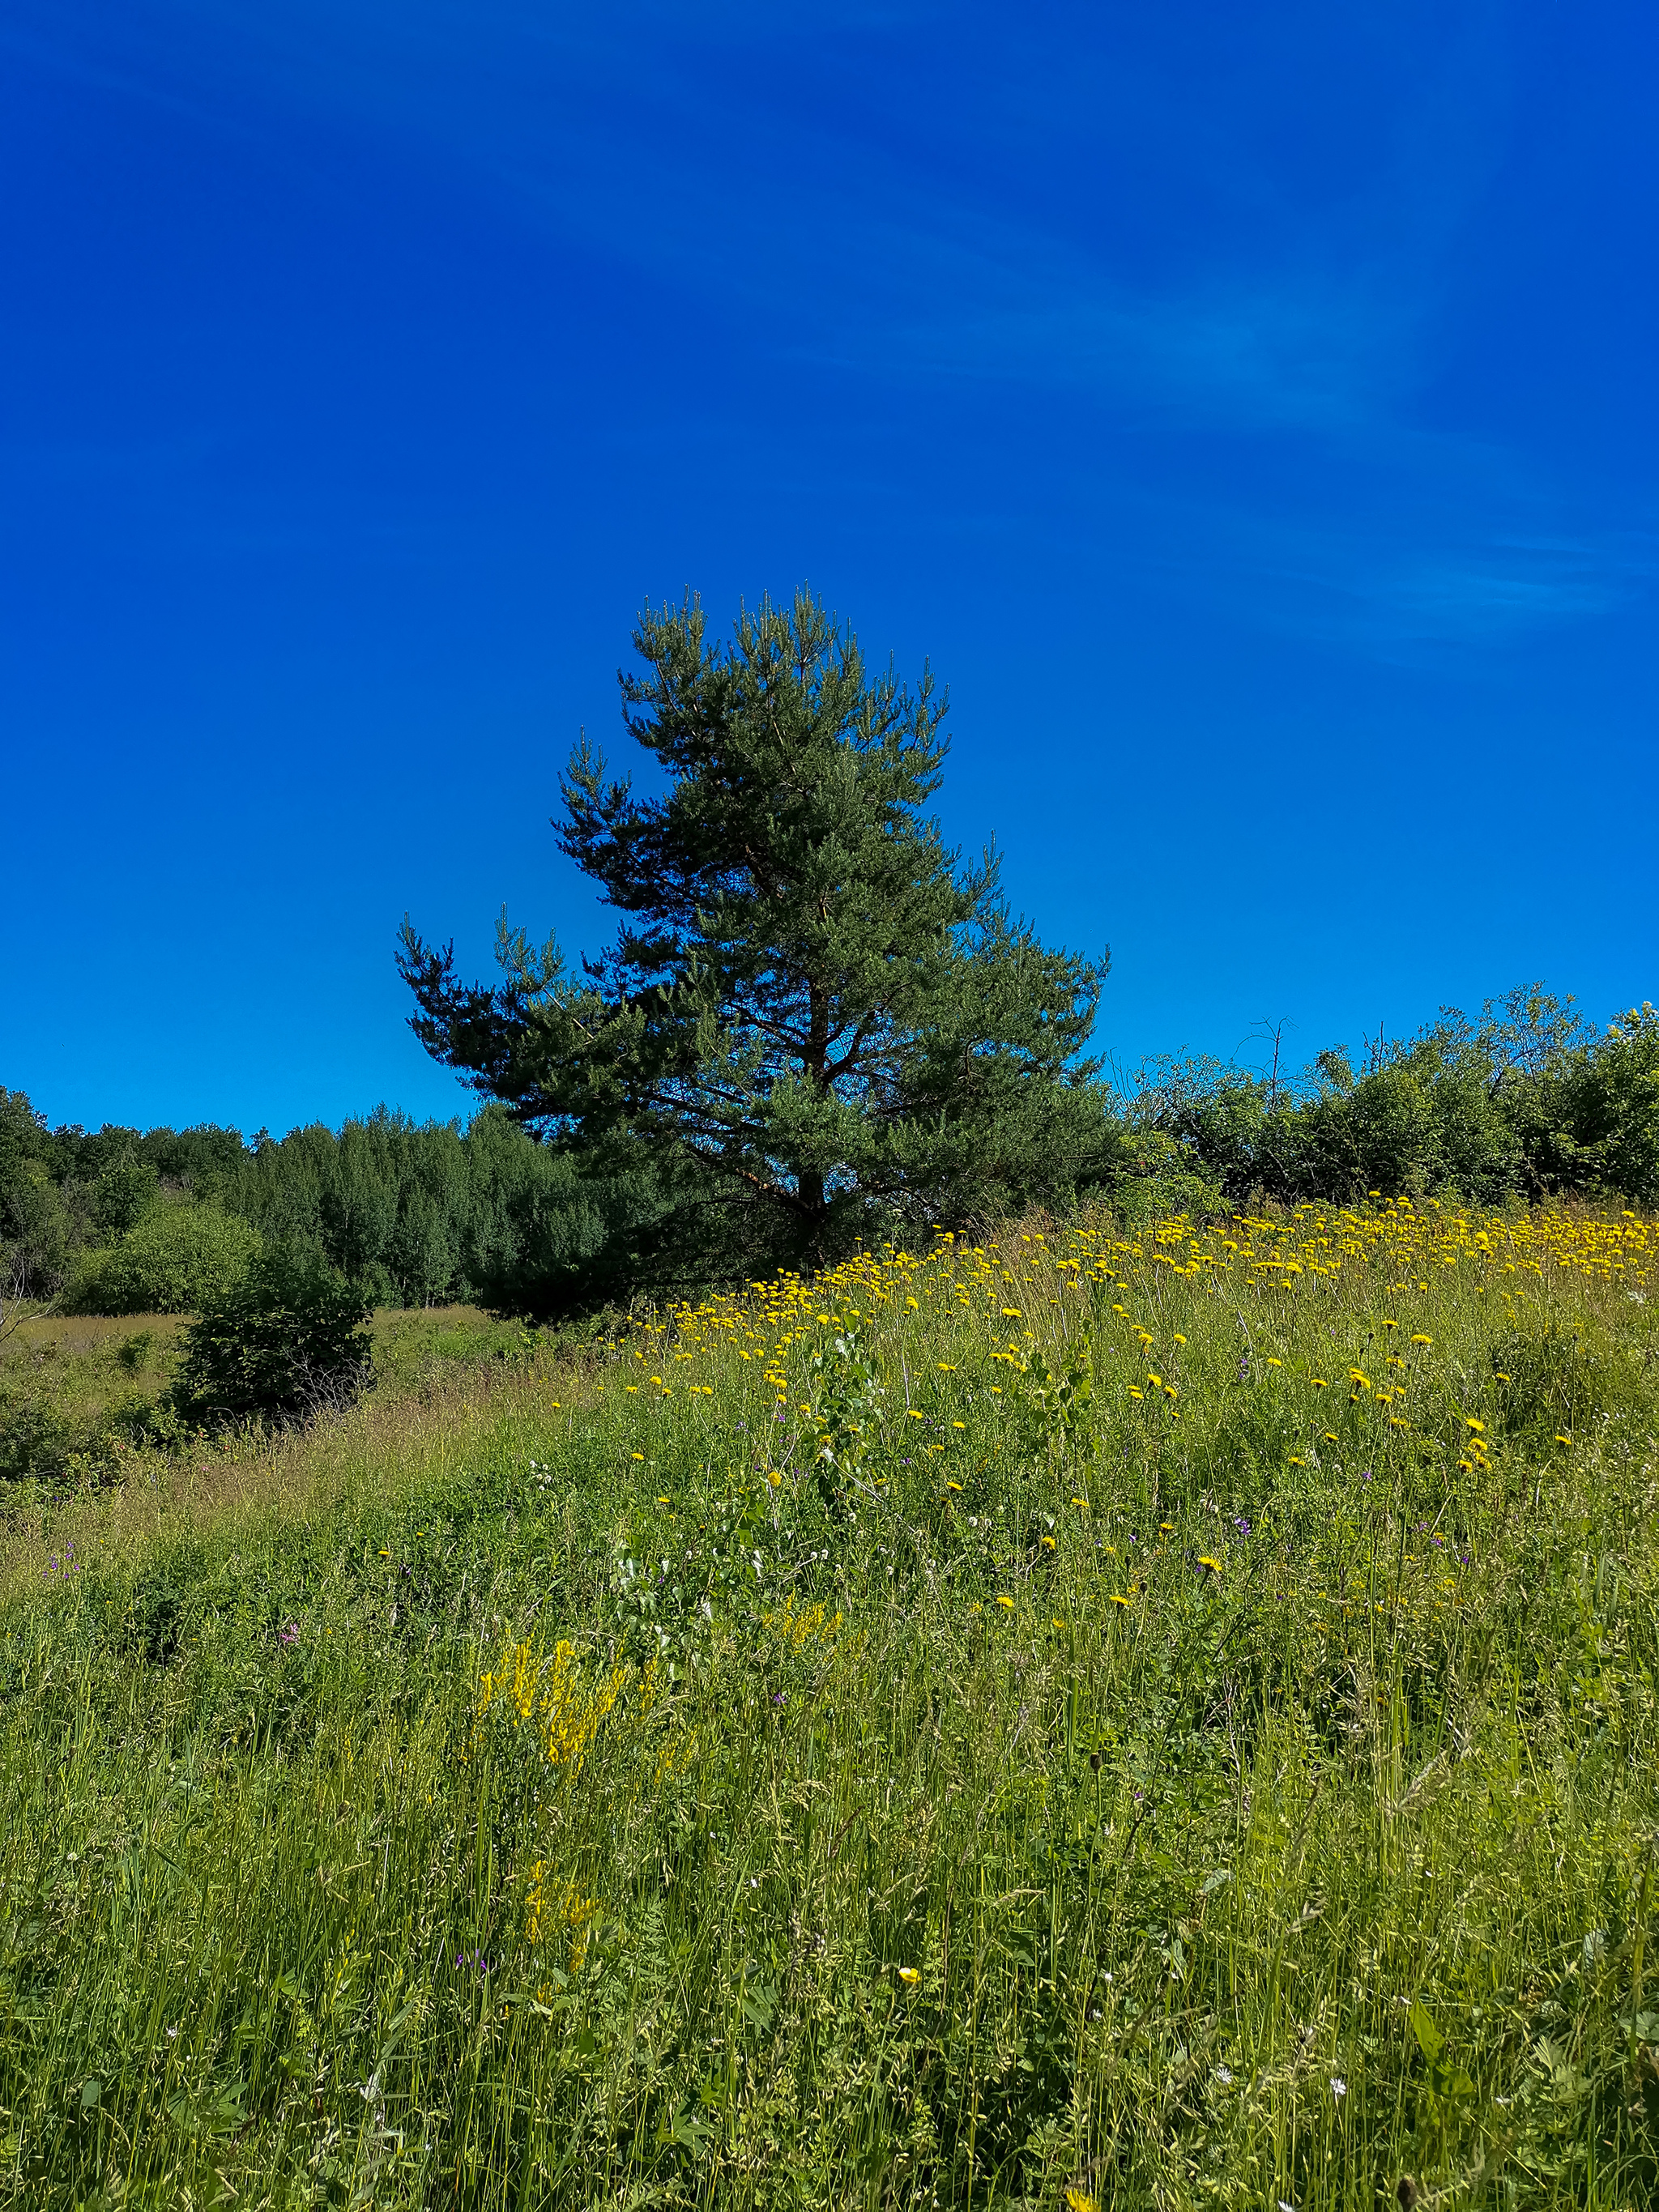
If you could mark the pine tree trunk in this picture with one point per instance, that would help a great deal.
(809, 1183)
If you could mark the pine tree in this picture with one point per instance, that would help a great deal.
(811, 1011)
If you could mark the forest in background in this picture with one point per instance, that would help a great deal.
(817, 1028)
(1523, 1103)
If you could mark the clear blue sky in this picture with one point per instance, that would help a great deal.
(1250, 411)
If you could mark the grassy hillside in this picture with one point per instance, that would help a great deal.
(1150, 1722)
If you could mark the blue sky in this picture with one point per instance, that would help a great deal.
(1249, 412)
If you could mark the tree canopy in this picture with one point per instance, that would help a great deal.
(811, 1011)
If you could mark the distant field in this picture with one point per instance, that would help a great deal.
(1156, 1721)
(75, 1390)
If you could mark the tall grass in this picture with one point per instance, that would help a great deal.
(1163, 1721)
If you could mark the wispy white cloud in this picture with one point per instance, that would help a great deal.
(1268, 352)
(1306, 324)
(889, 252)
(1491, 592)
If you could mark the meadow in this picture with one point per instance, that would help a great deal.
(1073, 1718)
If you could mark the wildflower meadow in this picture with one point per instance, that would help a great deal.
(1065, 1717)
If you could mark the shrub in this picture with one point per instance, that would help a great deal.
(275, 1346)
(1615, 1095)
(175, 1259)
(37, 1229)
(1161, 1184)
(123, 1195)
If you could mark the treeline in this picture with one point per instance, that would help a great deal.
(815, 1026)
(1527, 1101)
(1523, 1103)
(124, 1220)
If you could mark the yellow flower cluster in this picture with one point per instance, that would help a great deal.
(1010, 1294)
(799, 1626)
(554, 1699)
(557, 1906)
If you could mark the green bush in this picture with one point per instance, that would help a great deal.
(37, 1227)
(123, 1195)
(1523, 1103)
(275, 1346)
(1161, 1183)
(1614, 1094)
(175, 1259)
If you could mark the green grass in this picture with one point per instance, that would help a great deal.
(588, 1778)
(79, 1392)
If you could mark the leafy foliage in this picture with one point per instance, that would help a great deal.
(175, 1259)
(275, 1346)
(1523, 1103)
